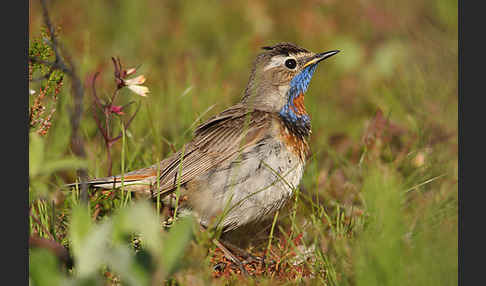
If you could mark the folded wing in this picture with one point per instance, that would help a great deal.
(220, 138)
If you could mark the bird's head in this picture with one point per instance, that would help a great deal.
(279, 80)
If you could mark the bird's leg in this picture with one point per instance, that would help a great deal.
(247, 255)
(228, 254)
(231, 256)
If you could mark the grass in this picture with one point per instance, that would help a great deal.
(378, 202)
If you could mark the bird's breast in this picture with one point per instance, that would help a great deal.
(295, 143)
(256, 182)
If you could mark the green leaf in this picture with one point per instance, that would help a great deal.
(43, 268)
(122, 260)
(175, 243)
(94, 250)
(139, 218)
(81, 225)
(36, 154)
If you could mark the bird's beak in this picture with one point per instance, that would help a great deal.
(319, 57)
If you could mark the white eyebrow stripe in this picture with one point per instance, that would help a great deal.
(276, 61)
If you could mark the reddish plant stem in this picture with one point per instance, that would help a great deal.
(106, 110)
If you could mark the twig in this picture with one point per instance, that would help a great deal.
(77, 91)
(93, 89)
(98, 123)
(59, 65)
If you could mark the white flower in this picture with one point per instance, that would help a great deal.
(139, 89)
(31, 91)
(134, 84)
(136, 80)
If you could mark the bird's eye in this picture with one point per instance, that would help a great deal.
(290, 63)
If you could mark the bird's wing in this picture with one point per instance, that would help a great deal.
(218, 139)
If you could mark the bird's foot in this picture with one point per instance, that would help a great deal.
(249, 258)
(229, 255)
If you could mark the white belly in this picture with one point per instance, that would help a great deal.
(256, 186)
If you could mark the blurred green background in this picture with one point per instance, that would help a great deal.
(400, 57)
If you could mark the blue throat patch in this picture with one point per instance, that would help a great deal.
(294, 116)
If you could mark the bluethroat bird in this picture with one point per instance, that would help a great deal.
(246, 161)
